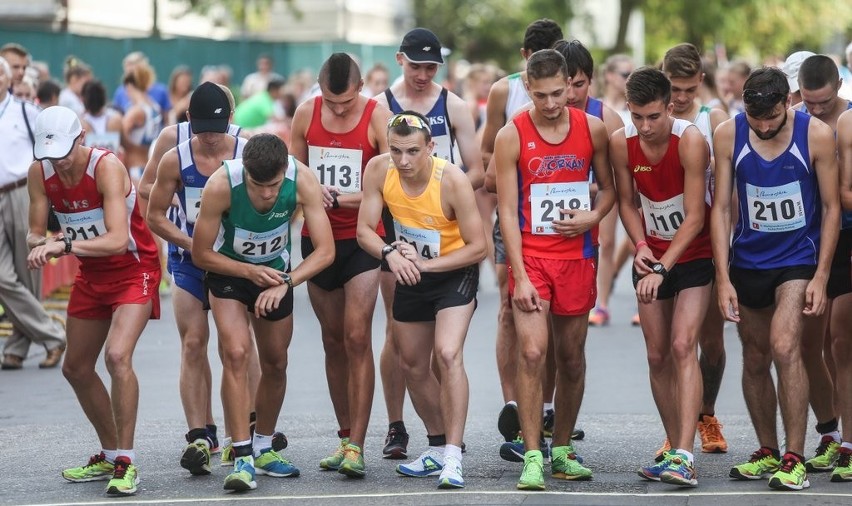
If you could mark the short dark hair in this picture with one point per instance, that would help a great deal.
(770, 86)
(646, 85)
(338, 73)
(275, 85)
(94, 96)
(682, 61)
(264, 157)
(818, 71)
(541, 34)
(546, 63)
(47, 91)
(402, 128)
(577, 57)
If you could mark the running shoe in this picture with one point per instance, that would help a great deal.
(843, 469)
(429, 463)
(710, 430)
(396, 445)
(451, 475)
(761, 464)
(679, 471)
(826, 456)
(196, 458)
(653, 471)
(508, 422)
(791, 476)
(333, 461)
(663, 450)
(598, 317)
(242, 478)
(352, 464)
(565, 466)
(514, 451)
(270, 463)
(547, 422)
(578, 434)
(532, 477)
(98, 468)
(226, 459)
(124, 478)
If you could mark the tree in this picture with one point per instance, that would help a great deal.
(245, 13)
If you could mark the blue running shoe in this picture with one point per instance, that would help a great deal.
(679, 472)
(270, 463)
(514, 451)
(429, 463)
(654, 471)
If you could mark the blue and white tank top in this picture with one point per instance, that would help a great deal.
(779, 203)
(184, 131)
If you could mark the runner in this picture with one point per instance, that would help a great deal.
(242, 238)
(440, 242)
(115, 292)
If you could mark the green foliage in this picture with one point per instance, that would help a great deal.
(246, 14)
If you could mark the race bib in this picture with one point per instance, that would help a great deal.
(426, 242)
(444, 151)
(107, 140)
(662, 219)
(193, 203)
(775, 208)
(337, 167)
(83, 225)
(547, 199)
(260, 247)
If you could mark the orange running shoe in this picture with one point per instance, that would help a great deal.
(712, 440)
(663, 450)
(598, 317)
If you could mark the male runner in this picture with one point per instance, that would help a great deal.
(666, 160)
(784, 167)
(543, 160)
(440, 242)
(682, 65)
(336, 134)
(242, 238)
(115, 293)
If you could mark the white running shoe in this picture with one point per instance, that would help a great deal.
(429, 463)
(451, 476)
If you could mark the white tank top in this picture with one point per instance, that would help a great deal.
(517, 97)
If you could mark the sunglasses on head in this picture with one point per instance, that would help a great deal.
(754, 97)
(410, 120)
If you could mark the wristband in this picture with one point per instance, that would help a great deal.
(67, 241)
(640, 244)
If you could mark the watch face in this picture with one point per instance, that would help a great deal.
(658, 268)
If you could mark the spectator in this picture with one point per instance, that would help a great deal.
(256, 111)
(77, 73)
(47, 94)
(180, 89)
(157, 90)
(102, 123)
(376, 81)
(18, 59)
(257, 82)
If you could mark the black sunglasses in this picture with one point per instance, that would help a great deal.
(754, 97)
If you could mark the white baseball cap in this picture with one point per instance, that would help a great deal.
(791, 68)
(56, 129)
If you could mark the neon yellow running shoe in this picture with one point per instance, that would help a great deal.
(226, 458)
(97, 469)
(791, 476)
(826, 455)
(124, 479)
(532, 477)
(353, 462)
(843, 469)
(333, 461)
(564, 464)
(761, 464)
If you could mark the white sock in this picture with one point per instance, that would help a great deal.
(835, 435)
(261, 443)
(438, 450)
(453, 451)
(686, 454)
(110, 455)
(226, 441)
(545, 407)
(846, 444)
(513, 403)
(130, 454)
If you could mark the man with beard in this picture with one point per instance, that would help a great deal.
(773, 274)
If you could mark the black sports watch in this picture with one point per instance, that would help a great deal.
(67, 241)
(660, 269)
(287, 279)
(386, 250)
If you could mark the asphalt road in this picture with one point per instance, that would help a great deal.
(43, 430)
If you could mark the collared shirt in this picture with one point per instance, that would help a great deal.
(15, 144)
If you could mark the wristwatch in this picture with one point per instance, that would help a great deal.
(286, 278)
(67, 241)
(334, 203)
(386, 250)
(660, 269)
